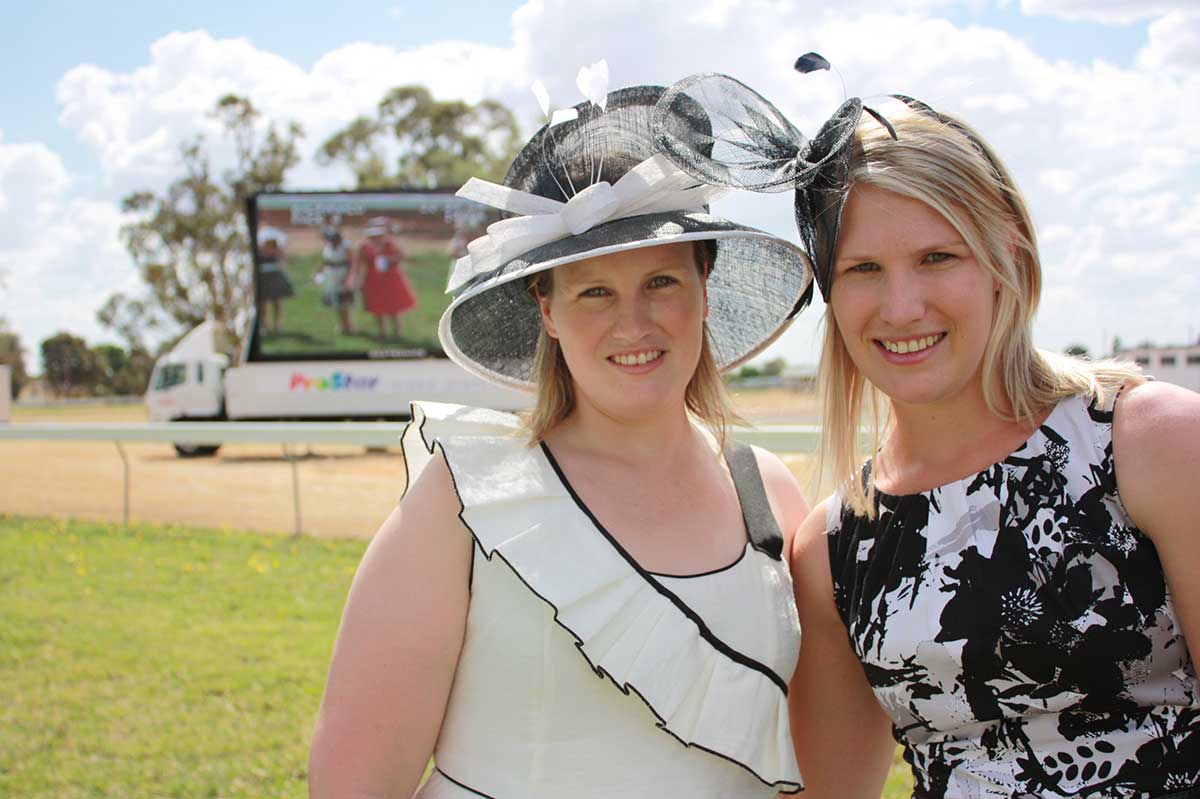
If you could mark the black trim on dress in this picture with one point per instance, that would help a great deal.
(412, 407)
(462, 785)
(783, 786)
(705, 632)
(745, 548)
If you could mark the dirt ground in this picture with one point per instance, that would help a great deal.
(344, 491)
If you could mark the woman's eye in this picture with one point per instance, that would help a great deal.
(658, 281)
(866, 266)
(594, 291)
(939, 257)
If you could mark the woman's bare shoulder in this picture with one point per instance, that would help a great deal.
(1156, 449)
(783, 488)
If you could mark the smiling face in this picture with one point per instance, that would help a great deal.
(630, 327)
(913, 305)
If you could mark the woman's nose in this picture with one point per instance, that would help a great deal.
(903, 300)
(633, 318)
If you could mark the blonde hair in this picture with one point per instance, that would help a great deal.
(940, 161)
(706, 397)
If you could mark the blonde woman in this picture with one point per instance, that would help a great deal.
(980, 586)
(593, 601)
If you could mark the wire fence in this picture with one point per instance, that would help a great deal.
(290, 435)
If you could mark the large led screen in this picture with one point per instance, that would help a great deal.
(355, 274)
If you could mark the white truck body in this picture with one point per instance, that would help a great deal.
(192, 382)
(355, 389)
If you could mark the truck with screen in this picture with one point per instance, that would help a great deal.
(348, 291)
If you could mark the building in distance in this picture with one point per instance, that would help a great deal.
(1178, 364)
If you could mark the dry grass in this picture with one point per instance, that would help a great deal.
(778, 406)
(344, 491)
(79, 413)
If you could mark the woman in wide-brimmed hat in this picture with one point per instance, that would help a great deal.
(594, 600)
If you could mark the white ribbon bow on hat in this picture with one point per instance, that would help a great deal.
(654, 186)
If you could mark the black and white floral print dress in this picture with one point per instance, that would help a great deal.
(1017, 628)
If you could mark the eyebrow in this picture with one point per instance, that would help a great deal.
(574, 278)
(941, 245)
(598, 274)
(945, 244)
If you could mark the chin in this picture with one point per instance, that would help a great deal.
(639, 402)
(921, 392)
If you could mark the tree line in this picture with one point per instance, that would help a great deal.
(72, 368)
(190, 243)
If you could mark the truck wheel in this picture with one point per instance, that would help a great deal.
(196, 450)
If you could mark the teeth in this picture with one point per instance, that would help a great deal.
(912, 345)
(638, 359)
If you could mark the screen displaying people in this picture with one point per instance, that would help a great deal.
(355, 274)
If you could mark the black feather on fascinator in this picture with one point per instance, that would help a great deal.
(721, 131)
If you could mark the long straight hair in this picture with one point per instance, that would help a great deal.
(940, 161)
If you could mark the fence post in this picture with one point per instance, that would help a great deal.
(287, 453)
(5, 393)
(125, 483)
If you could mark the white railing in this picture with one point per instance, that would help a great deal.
(778, 438)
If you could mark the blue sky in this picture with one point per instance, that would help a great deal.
(47, 39)
(1091, 103)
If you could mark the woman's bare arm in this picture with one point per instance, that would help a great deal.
(1156, 448)
(784, 494)
(397, 649)
(842, 736)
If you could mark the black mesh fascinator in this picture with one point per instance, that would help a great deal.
(719, 130)
(592, 183)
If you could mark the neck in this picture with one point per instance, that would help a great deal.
(960, 428)
(662, 437)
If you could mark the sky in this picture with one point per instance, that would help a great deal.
(1091, 103)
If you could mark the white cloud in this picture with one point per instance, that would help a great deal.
(31, 179)
(136, 122)
(60, 256)
(1112, 12)
(1107, 154)
(1174, 42)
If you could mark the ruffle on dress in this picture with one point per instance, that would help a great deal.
(627, 626)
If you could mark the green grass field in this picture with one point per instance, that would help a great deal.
(155, 662)
(167, 662)
(309, 326)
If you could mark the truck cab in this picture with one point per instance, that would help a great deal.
(187, 389)
(188, 384)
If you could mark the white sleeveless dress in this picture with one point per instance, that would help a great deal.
(583, 675)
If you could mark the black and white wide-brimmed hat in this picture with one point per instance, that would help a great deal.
(595, 184)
